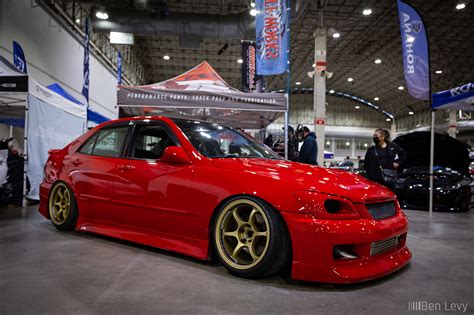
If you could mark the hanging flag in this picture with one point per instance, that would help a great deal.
(272, 33)
(119, 67)
(249, 74)
(19, 57)
(416, 59)
(85, 87)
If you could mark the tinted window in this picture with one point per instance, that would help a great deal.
(110, 141)
(215, 141)
(150, 142)
(88, 145)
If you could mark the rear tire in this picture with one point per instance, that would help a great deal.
(250, 238)
(62, 207)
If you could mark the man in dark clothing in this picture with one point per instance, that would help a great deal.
(309, 149)
(383, 155)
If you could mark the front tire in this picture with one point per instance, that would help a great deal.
(250, 238)
(62, 207)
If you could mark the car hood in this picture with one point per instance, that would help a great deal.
(300, 176)
(449, 152)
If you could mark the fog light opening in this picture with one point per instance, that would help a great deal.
(332, 206)
(341, 252)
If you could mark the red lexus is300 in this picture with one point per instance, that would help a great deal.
(208, 191)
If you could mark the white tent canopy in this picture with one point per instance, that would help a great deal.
(51, 121)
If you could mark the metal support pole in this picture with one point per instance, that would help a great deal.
(320, 90)
(433, 118)
(288, 82)
(25, 153)
(452, 128)
(11, 132)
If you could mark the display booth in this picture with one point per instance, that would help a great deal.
(202, 94)
(50, 121)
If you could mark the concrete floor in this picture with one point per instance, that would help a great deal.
(43, 270)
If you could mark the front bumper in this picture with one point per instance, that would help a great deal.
(313, 242)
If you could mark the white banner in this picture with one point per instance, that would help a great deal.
(49, 127)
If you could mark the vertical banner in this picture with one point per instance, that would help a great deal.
(416, 62)
(272, 31)
(249, 74)
(119, 68)
(85, 87)
(19, 57)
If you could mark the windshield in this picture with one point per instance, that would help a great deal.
(215, 141)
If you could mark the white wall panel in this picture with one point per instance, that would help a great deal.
(53, 55)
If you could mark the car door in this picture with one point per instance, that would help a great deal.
(92, 172)
(154, 195)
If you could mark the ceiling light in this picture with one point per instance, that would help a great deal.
(336, 35)
(298, 83)
(439, 71)
(348, 143)
(367, 12)
(252, 4)
(166, 57)
(78, 21)
(460, 6)
(101, 15)
(332, 91)
(388, 119)
(350, 79)
(328, 142)
(376, 98)
(357, 107)
(239, 60)
(253, 12)
(377, 61)
(314, 65)
(401, 88)
(411, 113)
(366, 145)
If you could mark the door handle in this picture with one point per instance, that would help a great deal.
(77, 162)
(126, 167)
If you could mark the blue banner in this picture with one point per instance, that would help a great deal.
(85, 87)
(461, 97)
(19, 57)
(272, 33)
(416, 64)
(119, 67)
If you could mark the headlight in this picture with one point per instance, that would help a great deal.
(325, 206)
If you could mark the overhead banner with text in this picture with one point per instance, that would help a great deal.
(249, 74)
(19, 59)
(85, 87)
(272, 34)
(416, 65)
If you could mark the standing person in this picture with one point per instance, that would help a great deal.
(309, 149)
(383, 158)
(292, 145)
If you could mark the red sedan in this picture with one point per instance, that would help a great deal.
(205, 190)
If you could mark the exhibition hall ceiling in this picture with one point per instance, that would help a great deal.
(363, 39)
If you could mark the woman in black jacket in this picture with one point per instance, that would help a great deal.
(384, 154)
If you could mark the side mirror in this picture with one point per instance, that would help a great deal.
(175, 155)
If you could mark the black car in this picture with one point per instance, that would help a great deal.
(452, 190)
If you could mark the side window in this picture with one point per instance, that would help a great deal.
(150, 142)
(89, 145)
(110, 141)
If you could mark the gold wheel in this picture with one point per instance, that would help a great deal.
(242, 234)
(59, 204)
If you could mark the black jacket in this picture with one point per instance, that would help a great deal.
(371, 165)
(309, 149)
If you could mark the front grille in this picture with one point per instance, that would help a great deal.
(381, 210)
(380, 247)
